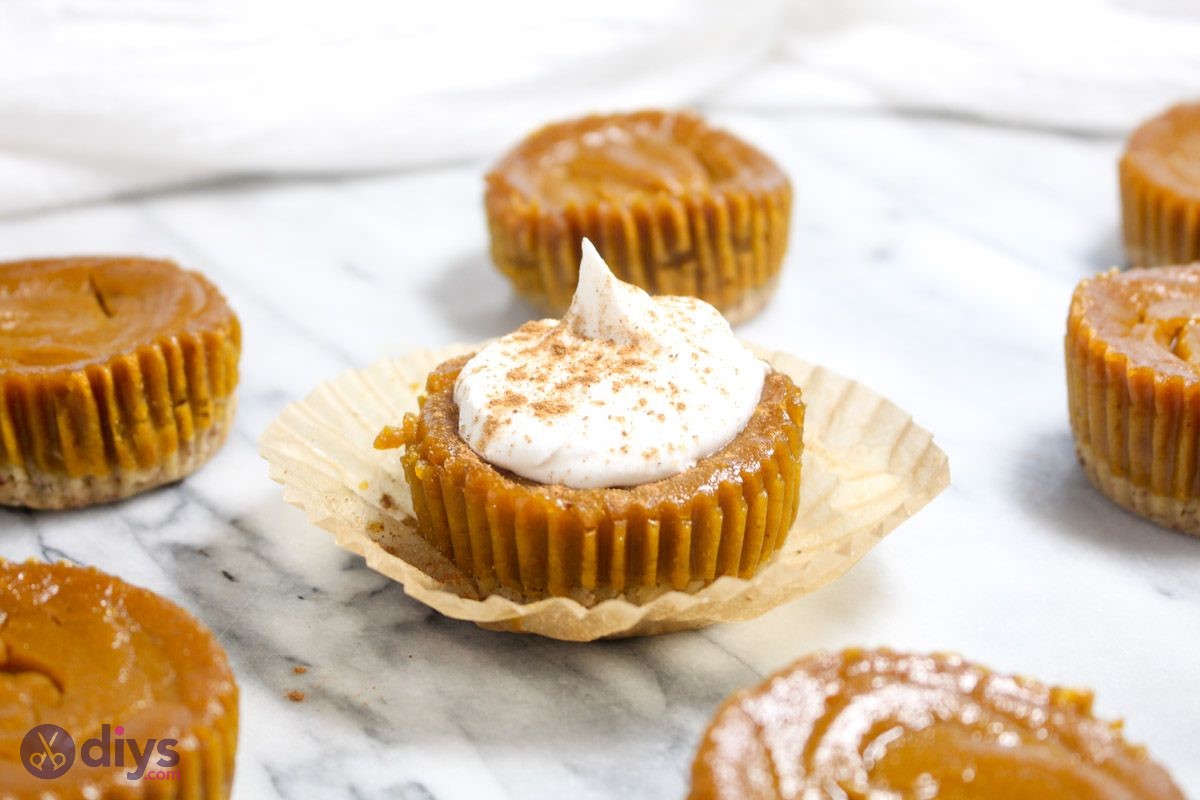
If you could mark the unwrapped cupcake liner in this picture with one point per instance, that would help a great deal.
(867, 467)
(1137, 433)
(109, 430)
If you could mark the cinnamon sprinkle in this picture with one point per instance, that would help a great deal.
(553, 368)
(510, 401)
(550, 407)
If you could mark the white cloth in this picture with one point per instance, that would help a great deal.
(1084, 66)
(106, 96)
(100, 97)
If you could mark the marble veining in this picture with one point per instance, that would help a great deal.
(932, 259)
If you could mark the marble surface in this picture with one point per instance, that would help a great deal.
(931, 258)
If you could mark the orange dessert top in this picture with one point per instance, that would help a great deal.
(863, 723)
(678, 208)
(66, 314)
(619, 157)
(1165, 150)
(1150, 316)
(82, 650)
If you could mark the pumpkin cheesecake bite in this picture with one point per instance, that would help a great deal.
(883, 724)
(633, 445)
(1160, 189)
(676, 206)
(108, 691)
(116, 375)
(1133, 388)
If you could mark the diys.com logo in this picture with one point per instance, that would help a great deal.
(48, 751)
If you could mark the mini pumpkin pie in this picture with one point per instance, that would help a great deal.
(634, 445)
(1133, 388)
(92, 668)
(1160, 189)
(675, 206)
(116, 375)
(883, 724)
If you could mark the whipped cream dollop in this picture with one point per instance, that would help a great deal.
(624, 389)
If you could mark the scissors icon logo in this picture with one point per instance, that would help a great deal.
(47, 751)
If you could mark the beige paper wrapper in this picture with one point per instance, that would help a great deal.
(867, 467)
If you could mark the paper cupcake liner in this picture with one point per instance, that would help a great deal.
(110, 430)
(1161, 226)
(522, 542)
(1135, 431)
(867, 467)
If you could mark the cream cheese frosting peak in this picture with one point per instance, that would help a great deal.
(625, 389)
(602, 307)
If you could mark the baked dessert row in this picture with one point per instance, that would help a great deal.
(855, 724)
(118, 374)
(633, 443)
(1132, 347)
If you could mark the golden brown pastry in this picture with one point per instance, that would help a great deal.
(116, 375)
(108, 691)
(676, 207)
(1160, 189)
(725, 516)
(1133, 387)
(867, 723)
(634, 445)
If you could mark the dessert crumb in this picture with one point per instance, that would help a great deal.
(296, 696)
(299, 670)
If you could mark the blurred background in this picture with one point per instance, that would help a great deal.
(100, 97)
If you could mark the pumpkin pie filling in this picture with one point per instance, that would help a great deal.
(1160, 189)
(632, 446)
(1133, 381)
(725, 516)
(116, 375)
(82, 650)
(677, 207)
(883, 724)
